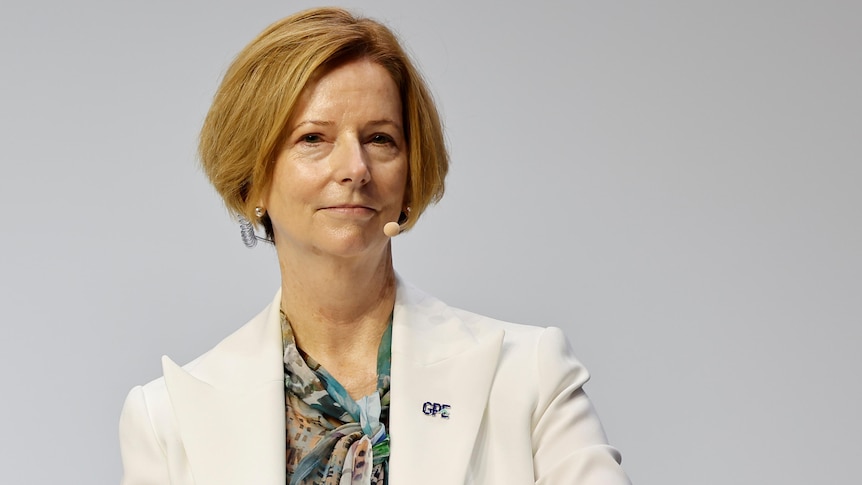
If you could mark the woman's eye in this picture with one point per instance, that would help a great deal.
(381, 139)
(311, 138)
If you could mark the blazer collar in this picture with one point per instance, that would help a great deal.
(229, 403)
(440, 357)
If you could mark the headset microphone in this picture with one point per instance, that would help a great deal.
(391, 229)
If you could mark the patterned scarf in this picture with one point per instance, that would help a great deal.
(331, 438)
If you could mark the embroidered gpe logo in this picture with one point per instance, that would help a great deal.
(434, 408)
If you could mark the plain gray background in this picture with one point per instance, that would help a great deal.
(674, 183)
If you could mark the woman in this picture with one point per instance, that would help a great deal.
(322, 132)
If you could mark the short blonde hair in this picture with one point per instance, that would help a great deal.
(246, 124)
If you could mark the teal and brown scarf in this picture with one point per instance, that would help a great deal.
(333, 439)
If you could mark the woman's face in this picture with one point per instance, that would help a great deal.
(342, 172)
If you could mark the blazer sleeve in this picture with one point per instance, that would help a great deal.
(144, 458)
(569, 444)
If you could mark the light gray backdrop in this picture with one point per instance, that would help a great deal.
(675, 183)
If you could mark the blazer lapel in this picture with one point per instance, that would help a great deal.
(438, 360)
(229, 406)
(229, 403)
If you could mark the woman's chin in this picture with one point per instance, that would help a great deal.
(347, 243)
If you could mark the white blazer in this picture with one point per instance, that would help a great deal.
(516, 410)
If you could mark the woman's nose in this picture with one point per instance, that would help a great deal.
(350, 163)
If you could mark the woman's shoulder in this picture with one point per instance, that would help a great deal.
(515, 334)
(523, 347)
(540, 347)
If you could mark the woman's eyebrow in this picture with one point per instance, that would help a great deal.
(384, 121)
(314, 123)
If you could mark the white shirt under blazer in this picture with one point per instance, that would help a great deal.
(517, 413)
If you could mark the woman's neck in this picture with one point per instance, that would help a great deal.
(339, 311)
